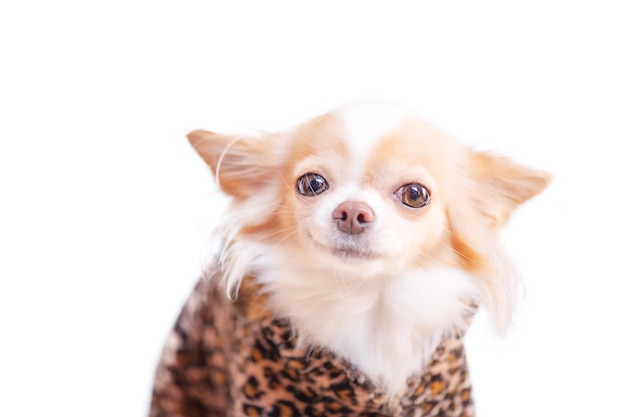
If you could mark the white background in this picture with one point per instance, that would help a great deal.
(105, 209)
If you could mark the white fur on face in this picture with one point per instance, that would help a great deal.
(391, 240)
(365, 124)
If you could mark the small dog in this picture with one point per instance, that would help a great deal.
(354, 254)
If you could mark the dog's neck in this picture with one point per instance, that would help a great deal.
(387, 325)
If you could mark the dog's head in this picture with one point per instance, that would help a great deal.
(373, 192)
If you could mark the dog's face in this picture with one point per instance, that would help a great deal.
(369, 190)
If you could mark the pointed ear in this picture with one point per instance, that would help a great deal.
(502, 185)
(240, 164)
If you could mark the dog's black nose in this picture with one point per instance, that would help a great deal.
(353, 217)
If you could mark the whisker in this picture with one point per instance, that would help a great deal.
(285, 238)
(278, 232)
(460, 253)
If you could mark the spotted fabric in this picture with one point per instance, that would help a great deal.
(237, 359)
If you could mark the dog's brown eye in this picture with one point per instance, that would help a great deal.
(413, 195)
(311, 185)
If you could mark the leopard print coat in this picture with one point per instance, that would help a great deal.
(237, 359)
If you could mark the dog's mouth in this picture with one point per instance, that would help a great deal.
(353, 253)
(348, 251)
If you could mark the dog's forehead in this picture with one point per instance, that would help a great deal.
(358, 140)
(365, 124)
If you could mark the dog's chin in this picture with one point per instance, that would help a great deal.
(353, 254)
(348, 252)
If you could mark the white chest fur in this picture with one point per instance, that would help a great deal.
(387, 326)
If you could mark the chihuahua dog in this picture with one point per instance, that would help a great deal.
(354, 253)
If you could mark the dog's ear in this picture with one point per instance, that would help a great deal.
(492, 187)
(501, 185)
(241, 164)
